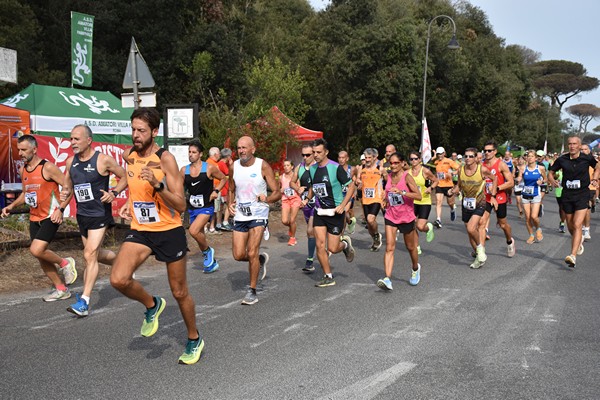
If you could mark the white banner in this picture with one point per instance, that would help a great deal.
(425, 143)
(46, 123)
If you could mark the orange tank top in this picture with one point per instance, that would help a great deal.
(148, 210)
(372, 187)
(41, 195)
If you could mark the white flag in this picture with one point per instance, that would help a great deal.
(545, 147)
(425, 143)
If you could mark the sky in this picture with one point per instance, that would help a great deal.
(558, 29)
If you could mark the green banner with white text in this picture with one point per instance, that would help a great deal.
(82, 34)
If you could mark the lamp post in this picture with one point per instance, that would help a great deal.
(453, 45)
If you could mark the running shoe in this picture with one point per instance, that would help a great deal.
(571, 260)
(561, 228)
(69, 271)
(430, 232)
(226, 228)
(453, 214)
(211, 268)
(266, 233)
(476, 264)
(349, 250)
(385, 284)
(326, 281)
(250, 298)
(376, 242)
(481, 256)
(352, 226)
(309, 267)
(531, 239)
(192, 352)
(292, 241)
(213, 231)
(150, 324)
(437, 223)
(580, 249)
(263, 259)
(80, 308)
(586, 235)
(510, 251)
(419, 250)
(415, 277)
(538, 235)
(57, 295)
(209, 257)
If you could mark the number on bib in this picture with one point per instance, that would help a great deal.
(288, 192)
(529, 190)
(469, 203)
(145, 212)
(441, 175)
(31, 199)
(369, 193)
(575, 184)
(83, 192)
(395, 199)
(320, 190)
(197, 201)
(245, 209)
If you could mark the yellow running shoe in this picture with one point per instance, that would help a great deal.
(150, 324)
(192, 352)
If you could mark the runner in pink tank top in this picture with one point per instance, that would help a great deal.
(400, 193)
(290, 201)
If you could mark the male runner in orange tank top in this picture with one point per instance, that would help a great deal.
(156, 202)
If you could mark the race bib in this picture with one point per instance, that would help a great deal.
(469, 203)
(441, 175)
(528, 189)
(575, 184)
(31, 199)
(488, 187)
(320, 190)
(83, 192)
(197, 201)
(145, 212)
(288, 192)
(395, 199)
(245, 209)
(519, 187)
(369, 193)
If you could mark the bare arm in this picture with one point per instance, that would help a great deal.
(508, 177)
(414, 192)
(269, 176)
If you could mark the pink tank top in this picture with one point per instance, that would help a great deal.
(400, 209)
(288, 192)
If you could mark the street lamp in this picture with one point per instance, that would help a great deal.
(452, 45)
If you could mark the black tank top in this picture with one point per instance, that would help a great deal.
(87, 183)
(199, 188)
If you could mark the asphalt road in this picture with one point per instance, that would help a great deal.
(520, 328)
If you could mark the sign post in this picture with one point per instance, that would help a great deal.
(137, 74)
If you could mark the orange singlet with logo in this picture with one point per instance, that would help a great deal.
(148, 210)
(41, 195)
(372, 188)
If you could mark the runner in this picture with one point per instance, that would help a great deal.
(88, 173)
(558, 194)
(575, 195)
(223, 216)
(519, 183)
(301, 182)
(214, 155)
(198, 182)
(426, 181)
(444, 168)
(327, 180)
(156, 202)
(471, 181)
(532, 176)
(370, 182)
(508, 160)
(585, 149)
(505, 182)
(290, 201)
(249, 178)
(351, 171)
(400, 192)
(40, 192)
(389, 150)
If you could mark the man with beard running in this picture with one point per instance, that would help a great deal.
(249, 178)
(198, 181)
(327, 180)
(87, 177)
(156, 202)
(351, 171)
(444, 170)
(505, 182)
(370, 180)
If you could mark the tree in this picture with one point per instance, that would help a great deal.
(585, 113)
(561, 80)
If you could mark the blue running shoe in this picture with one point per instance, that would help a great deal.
(212, 268)
(209, 257)
(385, 283)
(80, 308)
(415, 277)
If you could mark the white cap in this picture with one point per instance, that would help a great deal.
(362, 156)
(459, 156)
(440, 150)
(540, 153)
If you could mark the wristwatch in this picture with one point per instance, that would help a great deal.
(114, 192)
(403, 192)
(160, 187)
(216, 191)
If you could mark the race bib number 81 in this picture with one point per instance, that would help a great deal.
(145, 212)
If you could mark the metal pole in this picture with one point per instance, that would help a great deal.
(136, 98)
(425, 70)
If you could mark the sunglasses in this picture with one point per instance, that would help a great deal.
(414, 158)
(488, 150)
(306, 155)
(470, 156)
